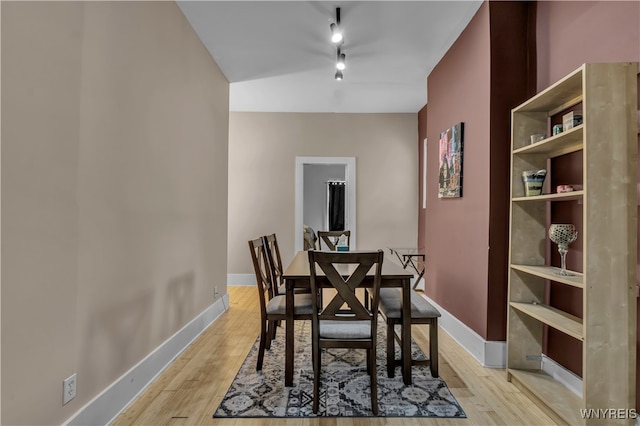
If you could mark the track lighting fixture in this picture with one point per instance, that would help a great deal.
(338, 39)
(336, 31)
(340, 60)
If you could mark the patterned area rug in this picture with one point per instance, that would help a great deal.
(345, 385)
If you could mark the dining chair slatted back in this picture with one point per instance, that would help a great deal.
(330, 238)
(273, 254)
(344, 322)
(275, 261)
(272, 305)
(262, 270)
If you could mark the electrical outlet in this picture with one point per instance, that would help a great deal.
(69, 389)
(215, 293)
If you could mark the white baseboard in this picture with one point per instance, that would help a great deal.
(562, 375)
(491, 354)
(241, 279)
(102, 409)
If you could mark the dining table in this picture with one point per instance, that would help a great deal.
(297, 275)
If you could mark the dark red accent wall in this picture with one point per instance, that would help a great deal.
(568, 35)
(477, 83)
(512, 26)
(485, 74)
(456, 231)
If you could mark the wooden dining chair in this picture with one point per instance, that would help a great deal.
(330, 238)
(344, 322)
(272, 306)
(422, 312)
(275, 260)
(309, 237)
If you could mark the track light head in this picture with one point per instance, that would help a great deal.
(336, 33)
(338, 39)
(341, 64)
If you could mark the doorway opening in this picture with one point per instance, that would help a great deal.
(313, 175)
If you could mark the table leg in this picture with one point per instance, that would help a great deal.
(288, 353)
(406, 332)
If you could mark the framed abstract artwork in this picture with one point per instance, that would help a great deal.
(450, 158)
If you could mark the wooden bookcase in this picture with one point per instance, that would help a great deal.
(608, 139)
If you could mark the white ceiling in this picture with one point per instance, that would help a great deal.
(278, 56)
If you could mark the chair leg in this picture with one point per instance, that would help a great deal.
(374, 380)
(391, 356)
(317, 363)
(368, 362)
(433, 347)
(271, 333)
(263, 343)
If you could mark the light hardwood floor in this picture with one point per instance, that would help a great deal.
(190, 389)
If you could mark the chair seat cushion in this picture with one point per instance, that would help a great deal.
(391, 304)
(303, 305)
(329, 329)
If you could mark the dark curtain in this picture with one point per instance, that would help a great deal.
(336, 206)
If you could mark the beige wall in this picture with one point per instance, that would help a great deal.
(262, 152)
(114, 194)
